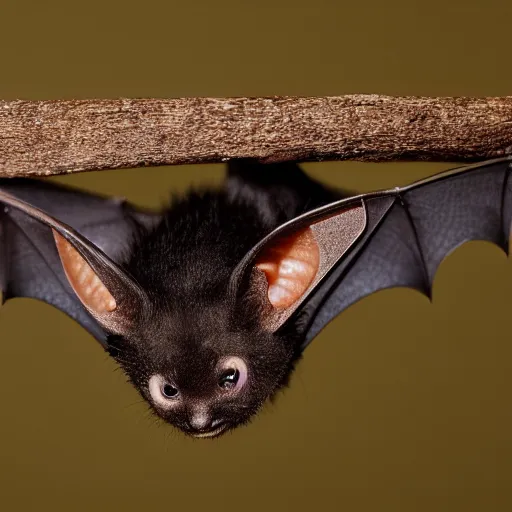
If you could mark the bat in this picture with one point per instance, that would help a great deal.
(208, 304)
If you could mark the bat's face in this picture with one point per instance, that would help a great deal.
(205, 357)
(201, 375)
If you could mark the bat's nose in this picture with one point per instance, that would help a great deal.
(200, 419)
(200, 422)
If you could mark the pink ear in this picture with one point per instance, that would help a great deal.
(84, 281)
(290, 267)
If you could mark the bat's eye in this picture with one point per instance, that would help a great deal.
(232, 374)
(163, 393)
(169, 391)
(229, 378)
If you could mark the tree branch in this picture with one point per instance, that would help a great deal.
(54, 137)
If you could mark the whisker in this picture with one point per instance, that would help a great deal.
(133, 404)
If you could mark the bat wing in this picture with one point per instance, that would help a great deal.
(29, 262)
(394, 238)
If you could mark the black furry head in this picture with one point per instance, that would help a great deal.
(204, 363)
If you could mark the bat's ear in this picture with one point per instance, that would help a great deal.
(288, 264)
(105, 290)
(110, 295)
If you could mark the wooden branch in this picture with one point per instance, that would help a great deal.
(54, 137)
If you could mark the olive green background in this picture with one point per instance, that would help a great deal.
(399, 405)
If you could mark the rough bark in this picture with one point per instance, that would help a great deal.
(54, 137)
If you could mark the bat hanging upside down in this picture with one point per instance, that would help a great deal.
(208, 304)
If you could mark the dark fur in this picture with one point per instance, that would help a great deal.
(184, 264)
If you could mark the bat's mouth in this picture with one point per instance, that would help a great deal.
(210, 433)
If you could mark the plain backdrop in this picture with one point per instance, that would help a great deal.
(399, 405)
